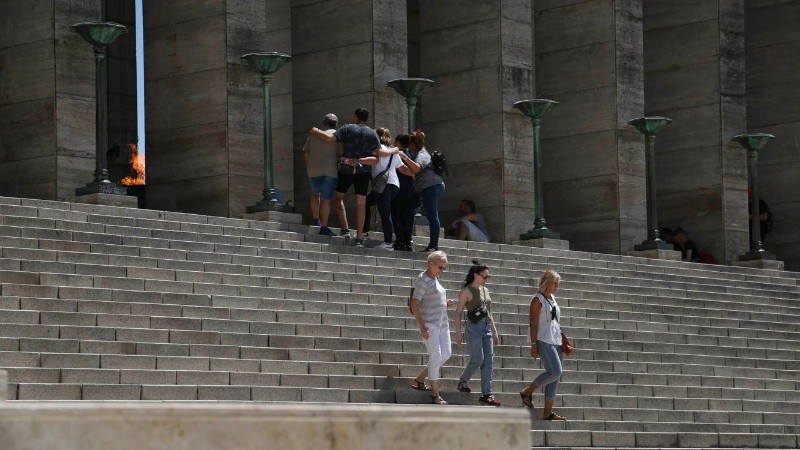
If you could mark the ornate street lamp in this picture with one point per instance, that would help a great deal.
(535, 109)
(100, 34)
(753, 143)
(267, 63)
(649, 126)
(411, 89)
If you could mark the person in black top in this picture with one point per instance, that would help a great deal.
(689, 251)
(405, 203)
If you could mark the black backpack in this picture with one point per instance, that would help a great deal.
(439, 163)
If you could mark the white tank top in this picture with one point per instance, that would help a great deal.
(549, 330)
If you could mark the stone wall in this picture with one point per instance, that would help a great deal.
(773, 95)
(480, 56)
(589, 59)
(204, 105)
(47, 99)
(694, 74)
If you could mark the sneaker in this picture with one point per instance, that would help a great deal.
(365, 235)
(325, 231)
(359, 243)
(462, 387)
(489, 400)
(429, 249)
(384, 246)
(344, 232)
(317, 223)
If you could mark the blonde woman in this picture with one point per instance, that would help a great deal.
(545, 334)
(429, 307)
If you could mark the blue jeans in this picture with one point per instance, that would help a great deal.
(430, 201)
(552, 359)
(481, 354)
(384, 203)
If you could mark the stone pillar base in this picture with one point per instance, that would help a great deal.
(558, 244)
(135, 426)
(772, 264)
(3, 385)
(670, 255)
(125, 201)
(274, 216)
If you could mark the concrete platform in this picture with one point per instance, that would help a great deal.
(207, 426)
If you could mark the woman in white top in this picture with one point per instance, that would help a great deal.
(545, 333)
(429, 306)
(388, 160)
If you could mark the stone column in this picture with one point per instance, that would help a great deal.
(773, 96)
(589, 59)
(47, 99)
(480, 55)
(694, 74)
(204, 105)
(3, 385)
(343, 54)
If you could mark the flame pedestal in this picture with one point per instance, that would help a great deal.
(757, 256)
(539, 235)
(100, 34)
(411, 89)
(649, 126)
(267, 64)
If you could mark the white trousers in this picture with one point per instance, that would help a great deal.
(439, 349)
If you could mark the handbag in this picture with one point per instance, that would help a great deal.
(477, 314)
(380, 180)
(566, 345)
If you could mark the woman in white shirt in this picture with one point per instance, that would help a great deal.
(387, 160)
(545, 333)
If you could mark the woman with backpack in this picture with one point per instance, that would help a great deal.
(429, 304)
(428, 184)
(481, 331)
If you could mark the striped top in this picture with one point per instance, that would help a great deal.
(433, 300)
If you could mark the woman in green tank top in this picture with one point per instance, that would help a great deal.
(480, 330)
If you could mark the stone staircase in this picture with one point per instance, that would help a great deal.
(105, 303)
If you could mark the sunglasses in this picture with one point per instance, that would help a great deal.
(441, 267)
(485, 277)
(554, 316)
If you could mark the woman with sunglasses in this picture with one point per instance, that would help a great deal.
(545, 334)
(481, 332)
(429, 307)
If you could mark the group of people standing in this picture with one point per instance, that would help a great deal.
(429, 303)
(394, 175)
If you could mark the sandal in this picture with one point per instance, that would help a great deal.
(438, 400)
(419, 385)
(527, 399)
(489, 400)
(554, 416)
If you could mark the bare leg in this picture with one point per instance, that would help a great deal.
(324, 212)
(314, 205)
(422, 375)
(434, 388)
(338, 204)
(462, 231)
(361, 212)
(530, 389)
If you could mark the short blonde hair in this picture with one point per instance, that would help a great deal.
(548, 277)
(437, 256)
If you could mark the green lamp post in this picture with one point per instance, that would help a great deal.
(753, 143)
(411, 89)
(267, 63)
(100, 34)
(535, 109)
(649, 126)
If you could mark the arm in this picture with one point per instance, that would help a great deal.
(464, 297)
(322, 135)
(387, 151)
(423, 331)
(533, 322)
(368, 161)
(412, 165)
(306, 150)
(405, 170)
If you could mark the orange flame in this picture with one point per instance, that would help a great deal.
(137, 167)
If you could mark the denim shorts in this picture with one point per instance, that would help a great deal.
(324, 185)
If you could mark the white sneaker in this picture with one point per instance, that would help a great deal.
(384, 246)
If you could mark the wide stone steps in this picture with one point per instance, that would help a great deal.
(109, 304)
